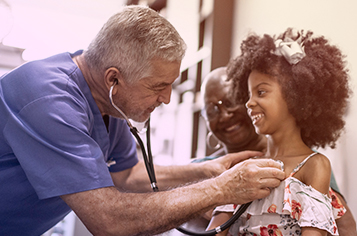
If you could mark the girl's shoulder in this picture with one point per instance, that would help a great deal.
(317, 172)
(318, 162)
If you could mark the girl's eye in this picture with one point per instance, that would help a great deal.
(261, 92)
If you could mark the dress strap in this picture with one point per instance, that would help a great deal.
(297, 168)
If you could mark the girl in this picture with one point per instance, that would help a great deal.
(297, 87)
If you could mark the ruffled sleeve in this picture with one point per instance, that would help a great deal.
(338, 209)
(308, 206)
(289, 207)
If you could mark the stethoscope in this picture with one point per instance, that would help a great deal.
(147, 157)
(148, 160)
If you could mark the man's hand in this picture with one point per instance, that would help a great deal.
(221, 164)
(249, 180)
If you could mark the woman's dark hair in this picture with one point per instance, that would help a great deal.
(316, 89)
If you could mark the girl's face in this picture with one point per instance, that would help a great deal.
(266, 106)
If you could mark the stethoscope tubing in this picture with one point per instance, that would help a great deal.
(149, 165)
(220, 228)
(147, 157)
(151, 173)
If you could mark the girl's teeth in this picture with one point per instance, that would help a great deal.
(256, 117)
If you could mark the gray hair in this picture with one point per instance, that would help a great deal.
(131, 39)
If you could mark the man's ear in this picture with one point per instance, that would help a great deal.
(112, 76)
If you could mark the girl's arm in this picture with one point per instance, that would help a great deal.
(317, 173)
(219, 219)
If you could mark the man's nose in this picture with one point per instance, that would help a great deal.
(165, 95)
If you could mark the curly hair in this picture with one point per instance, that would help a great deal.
(316, 89)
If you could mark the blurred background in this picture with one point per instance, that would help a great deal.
(213, 31)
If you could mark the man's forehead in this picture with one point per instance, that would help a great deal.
(158, 81)
(163, 69)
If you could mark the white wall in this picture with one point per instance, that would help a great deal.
(337, 20)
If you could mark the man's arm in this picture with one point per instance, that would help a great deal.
(168, 177)
(106, 211)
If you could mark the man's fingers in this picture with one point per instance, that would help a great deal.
(262, 193)
(240, 156)
(269, 163)
(266, 168)
(269, 183)
(271, 168)
(272, 172)
(251, 179)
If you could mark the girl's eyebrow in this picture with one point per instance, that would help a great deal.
(262, 83)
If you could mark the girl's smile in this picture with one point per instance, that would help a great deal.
(266, 106)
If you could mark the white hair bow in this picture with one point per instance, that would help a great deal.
(292, 51)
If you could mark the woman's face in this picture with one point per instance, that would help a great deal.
(228, 121)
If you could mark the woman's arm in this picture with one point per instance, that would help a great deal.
(309, 231)
(218, 219)
(346, 224)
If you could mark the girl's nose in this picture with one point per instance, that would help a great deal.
(249, 103)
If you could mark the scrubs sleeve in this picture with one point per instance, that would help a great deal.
(124, 150)
(51, 139)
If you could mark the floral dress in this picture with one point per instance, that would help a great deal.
(288, 208)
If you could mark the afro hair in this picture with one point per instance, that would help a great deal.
(316, 89)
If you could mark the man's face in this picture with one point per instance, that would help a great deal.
(139, 99)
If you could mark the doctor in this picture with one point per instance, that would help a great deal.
(58, 131)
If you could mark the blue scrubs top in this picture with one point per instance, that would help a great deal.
(53, 141)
